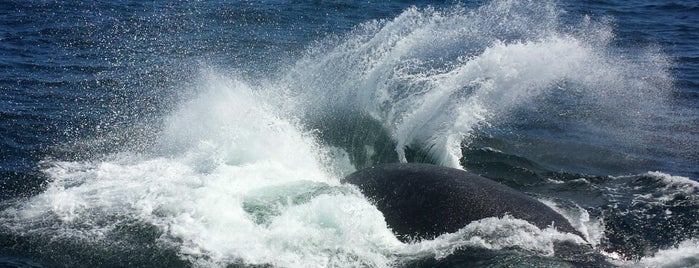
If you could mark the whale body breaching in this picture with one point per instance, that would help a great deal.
(422, 201)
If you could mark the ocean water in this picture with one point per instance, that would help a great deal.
(217, 133)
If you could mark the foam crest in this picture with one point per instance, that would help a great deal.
(690, 186)
(685, 254)
(493, 233)
(590, 227)
(229, 182)
(669, 189)
(236, 175)
(431, 77)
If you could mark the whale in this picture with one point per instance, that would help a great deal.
(423, 201)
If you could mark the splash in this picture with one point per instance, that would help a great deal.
(494, 233)
(239, 175)
(230, 181)
(685, 254)
(431, 77)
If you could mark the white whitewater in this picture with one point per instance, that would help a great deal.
(236, 183)
(431, 76)
(236, 177)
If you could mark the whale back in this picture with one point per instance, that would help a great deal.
(422, 201)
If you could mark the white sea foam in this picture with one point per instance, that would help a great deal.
(685, 254)
(687, 185)
(235, 177)
(222, 203)
(493, 233)
(591, 228)
(673, 186)
(431, 77)
(230, 181)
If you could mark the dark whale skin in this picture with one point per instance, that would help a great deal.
(422, 201)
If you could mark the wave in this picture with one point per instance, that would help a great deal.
(685, 254)
(249, 172)
(431, 77)
(496, 234)
(229, 181)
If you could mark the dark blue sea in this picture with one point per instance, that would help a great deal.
(217, 133)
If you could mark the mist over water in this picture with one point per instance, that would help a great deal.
(246, 170)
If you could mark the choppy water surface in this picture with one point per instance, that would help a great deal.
(216, 134)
